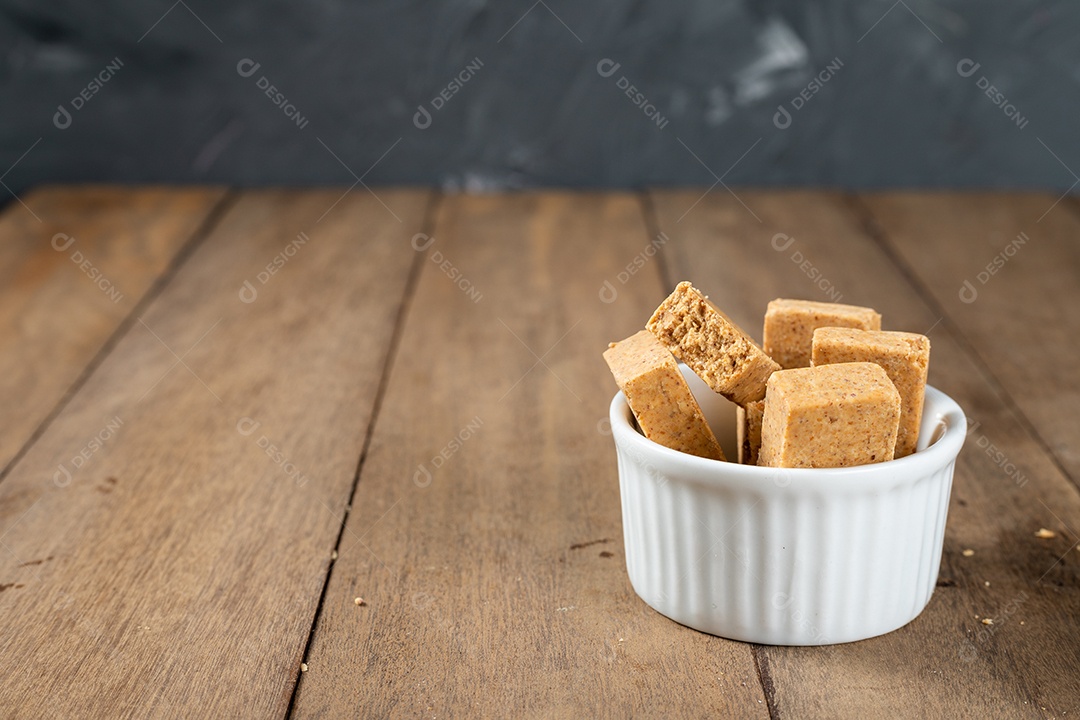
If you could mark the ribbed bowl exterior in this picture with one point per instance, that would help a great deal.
(780, 559)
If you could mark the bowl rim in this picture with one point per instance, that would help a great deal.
(862, 477)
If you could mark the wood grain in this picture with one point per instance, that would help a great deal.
(54, 316)
(1005, 270)
(945, 663)
(497, 587)
(159, 558)
(179, 569)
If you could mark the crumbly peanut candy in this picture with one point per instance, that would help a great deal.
(749, 431)
(789, 327)
(658, 394)
(829, 416)
(714, 347)
(905, 358)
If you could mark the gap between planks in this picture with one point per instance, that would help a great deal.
(652, 231)
(873, 230)
(500, 650)
(196, 267)
(427, 227)
(202, 231)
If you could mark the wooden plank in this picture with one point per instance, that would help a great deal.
(497, 588)
(1005, 270)
(181, 565)
(70, 277)
(945, 663)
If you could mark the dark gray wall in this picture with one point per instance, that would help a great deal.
(894, 110)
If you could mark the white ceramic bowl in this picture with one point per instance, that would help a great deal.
(785, 556)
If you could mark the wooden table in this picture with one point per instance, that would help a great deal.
(227, 415)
